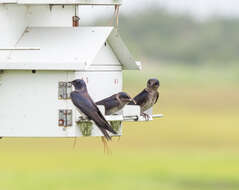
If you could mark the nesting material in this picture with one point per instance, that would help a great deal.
(85, 128)
(115, 125)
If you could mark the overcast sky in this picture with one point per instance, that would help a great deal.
(199, 8)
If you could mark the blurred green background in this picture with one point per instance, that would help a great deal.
(196, 144)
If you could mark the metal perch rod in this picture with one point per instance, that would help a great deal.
(158, 116)
(136, 118)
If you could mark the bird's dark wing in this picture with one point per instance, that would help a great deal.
(82, 102)
(109, 102)
(108, 127)
(157, 98)
(141, 98)
(109, 99)
(88, 107)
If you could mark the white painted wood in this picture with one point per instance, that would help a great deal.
(101, 84)
(29, 104)
(15, 18)
(122, 52)
(56, 16)
(56, 66)
(107, 117)
(64, 45)
(18, 48)
(106, 57)
(7, 1)
(13, 21)
(78, 47)
(80, 2)
(130, 110)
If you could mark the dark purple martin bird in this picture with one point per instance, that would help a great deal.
(148, 97)
(115, 102)
(88, 108)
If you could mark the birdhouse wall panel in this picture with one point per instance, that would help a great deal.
(32, 101)
(44, 15)
(12, 24)
(106, 56)
(101, 83)
(33, 98)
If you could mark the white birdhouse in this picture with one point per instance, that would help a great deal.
(40, 52)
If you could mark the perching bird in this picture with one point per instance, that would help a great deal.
(148, 97)
(115, 102)
(88, 108)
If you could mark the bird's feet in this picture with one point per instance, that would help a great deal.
(107, 149)
(146, 116)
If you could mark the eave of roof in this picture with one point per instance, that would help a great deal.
(67, 47)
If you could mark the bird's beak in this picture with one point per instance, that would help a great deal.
(156, 86)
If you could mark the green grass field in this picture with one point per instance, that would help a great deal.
(194, 147)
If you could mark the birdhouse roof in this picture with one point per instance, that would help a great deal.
(63, 2)
(63, 48)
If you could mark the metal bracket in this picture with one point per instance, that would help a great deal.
(65, 118)
(64, 90)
